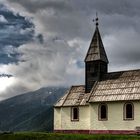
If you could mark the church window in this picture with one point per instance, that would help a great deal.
(128, 111)
(75, 114)
(103, 112)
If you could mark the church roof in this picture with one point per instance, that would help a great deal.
(96, 50)
(118, 86)
(74, 96)
(115, 86)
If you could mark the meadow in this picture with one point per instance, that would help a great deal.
(54, 136)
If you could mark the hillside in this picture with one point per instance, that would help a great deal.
(31, 111)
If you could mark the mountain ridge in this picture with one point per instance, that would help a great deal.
(32, 111)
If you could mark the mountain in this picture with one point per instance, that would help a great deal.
(32, 111)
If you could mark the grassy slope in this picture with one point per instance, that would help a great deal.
(32, 111)
(50, 136)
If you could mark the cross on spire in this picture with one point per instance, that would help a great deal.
(96, 19)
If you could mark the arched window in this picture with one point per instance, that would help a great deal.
(128, 111)
(103, 116)
(74, 114)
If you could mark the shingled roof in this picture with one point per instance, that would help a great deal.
(118, 86)
(96, 50)
(74, 96)
(115, 86)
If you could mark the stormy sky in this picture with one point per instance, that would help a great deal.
(44, 42)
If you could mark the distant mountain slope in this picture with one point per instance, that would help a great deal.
(31, 111)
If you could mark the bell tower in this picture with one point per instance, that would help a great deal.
(96, 61)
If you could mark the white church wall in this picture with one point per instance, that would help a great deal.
(57, 118)
(67, 124)
(115, 117)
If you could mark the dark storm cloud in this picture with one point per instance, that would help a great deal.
(40, 38)
(35, 5)
(73, 19)
(17, 30)
(60, 17)
(6, 75)
(109, 7)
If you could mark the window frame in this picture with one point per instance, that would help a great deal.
(72, 113)
(99, 112)
(124, 112)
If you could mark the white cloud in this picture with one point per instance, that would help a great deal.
(3, 19)
(5, 82)
(48, 65)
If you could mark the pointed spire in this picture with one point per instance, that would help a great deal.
(96, 50)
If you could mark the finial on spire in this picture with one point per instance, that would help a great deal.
(96, 19)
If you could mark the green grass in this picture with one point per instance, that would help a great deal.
(54, 136)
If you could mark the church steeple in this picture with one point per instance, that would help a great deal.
(96, 60)
(96, 50)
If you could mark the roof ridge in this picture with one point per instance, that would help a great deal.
(123, 71)
(77, 86)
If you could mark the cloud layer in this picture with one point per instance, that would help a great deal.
(15, 30)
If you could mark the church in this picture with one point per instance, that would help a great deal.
(108, 103)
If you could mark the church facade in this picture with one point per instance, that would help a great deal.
(107, 103)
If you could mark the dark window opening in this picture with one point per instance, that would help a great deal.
(129, 111)
(75, 113)
(103, 112)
